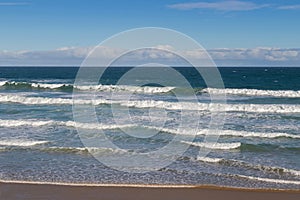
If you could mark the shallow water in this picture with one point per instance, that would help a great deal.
(259, 146)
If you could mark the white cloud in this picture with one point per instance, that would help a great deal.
(257, 56)
(165, 47)
(290, 7)
(222, 56)
(221, 6)
(253, 56)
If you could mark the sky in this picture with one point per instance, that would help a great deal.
(235, 32)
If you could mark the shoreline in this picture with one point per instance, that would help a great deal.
(25, 190)
(175, 186)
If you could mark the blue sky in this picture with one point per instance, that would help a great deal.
(45, 25)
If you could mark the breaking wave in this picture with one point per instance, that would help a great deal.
(104, 88)
(218, 146)
(269, 180)
(193, 106)
(83, 150)
(11, 98)
(254, 92)
(226, 133)
(248, 134)
(237, 163)
(17, 123)
(37, 123)
(147, 89)
(21, 143)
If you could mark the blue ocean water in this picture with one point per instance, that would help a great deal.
(259, 145)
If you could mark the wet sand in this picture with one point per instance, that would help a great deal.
(45, 191)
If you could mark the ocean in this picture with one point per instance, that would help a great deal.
(258, 147)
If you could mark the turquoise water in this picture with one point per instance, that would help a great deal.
(259, 146)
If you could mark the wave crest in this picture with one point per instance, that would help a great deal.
(238, 163)
(217, 146)
(212, 107)
(254, 92)
(101, 88)
(21, 143)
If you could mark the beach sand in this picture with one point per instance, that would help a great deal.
(45, 191)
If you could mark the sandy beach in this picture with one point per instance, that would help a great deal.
(143, 100)
(30, 191)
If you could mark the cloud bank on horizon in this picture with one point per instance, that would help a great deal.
(222, 6)
(230, 5)
(74, 56)
(248, 29)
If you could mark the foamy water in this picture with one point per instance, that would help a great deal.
(258, 146)
(254, 92)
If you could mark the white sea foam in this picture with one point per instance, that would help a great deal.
(67, 149)
(273, 169)
(158, 186)
(156, 90)
(213, 107)
(292, 171)
(226, 133)
(106, 88)
(16, 123)
(247, 134)
(209, 160)
(21, 143)
(46, 101)
(33, 100)
(84, 150)
(167, 130)
(48, 85)
(37, 123)
(279, 181)
(2, 83)
(128, 88)
(164, 105)
(254, 92)
(95, 126)
(249, 165)
(258, 108)
(219, 146)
